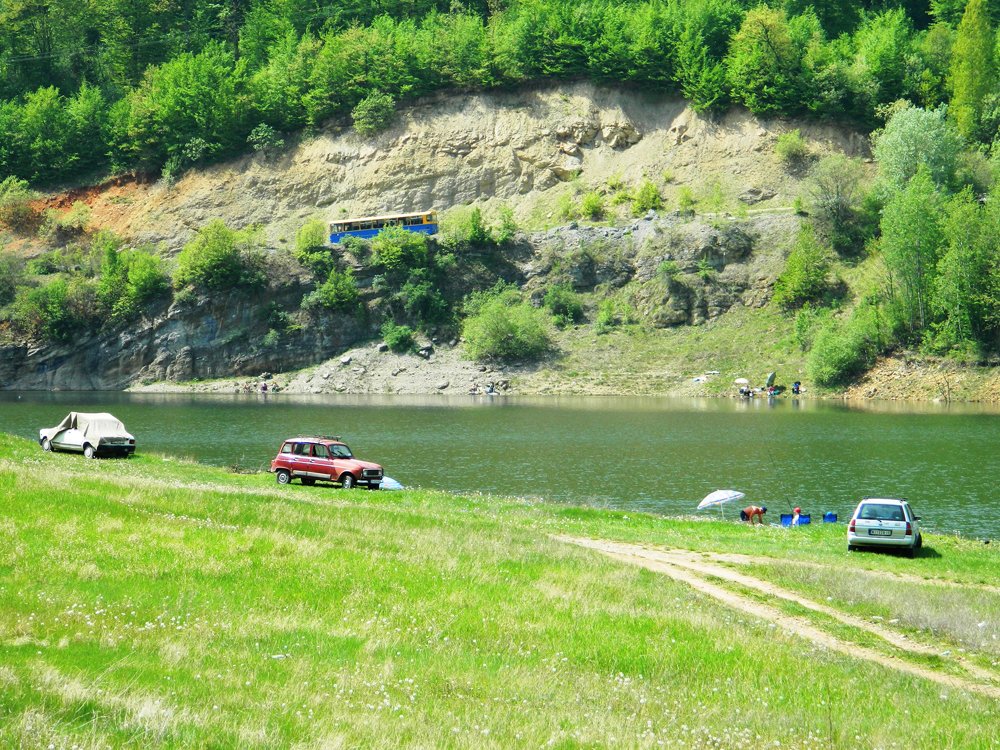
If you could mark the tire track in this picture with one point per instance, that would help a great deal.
(683, 566)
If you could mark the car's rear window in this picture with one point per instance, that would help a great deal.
(881, 512)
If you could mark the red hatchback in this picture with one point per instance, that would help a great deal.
(326, 459)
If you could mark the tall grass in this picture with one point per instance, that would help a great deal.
(157, 603)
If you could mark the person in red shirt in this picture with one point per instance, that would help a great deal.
(748, 514)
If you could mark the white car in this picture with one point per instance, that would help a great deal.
(89, 434)
(884, 522)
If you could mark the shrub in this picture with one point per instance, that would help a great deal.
(264, 139)
(791, 148)
(805, 278)
(502, 327)
(11, 277)
(567, 207)
(398, 338)
(16, 210)
(311, 250)
(478, 232)
(271, 339)
(129, 279)
(506, 226)
(422, 300)
(396, 249)
(842, 351)
(592, 206)
(706, 270)
(220, 258)
(685, 199)
(69, 224)
(374, 113)
(646, 198)
(339, 292)
(668, 270)
(60, 311)
(564, 304)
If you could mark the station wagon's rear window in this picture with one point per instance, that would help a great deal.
(880, 512)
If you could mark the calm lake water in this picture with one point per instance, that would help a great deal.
(650, 454)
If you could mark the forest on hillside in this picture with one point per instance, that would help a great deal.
(88, 86)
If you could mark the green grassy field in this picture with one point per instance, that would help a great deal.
(160, 603)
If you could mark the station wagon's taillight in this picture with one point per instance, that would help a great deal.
(851, 527)
(909, 529)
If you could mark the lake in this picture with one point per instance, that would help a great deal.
(650, 454)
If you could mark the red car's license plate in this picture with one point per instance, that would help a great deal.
(879, 532)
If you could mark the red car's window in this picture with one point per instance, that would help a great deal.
(320, 451)
(286, 448)
(301, 449)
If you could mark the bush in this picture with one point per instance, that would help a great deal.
(422, 300)
(841, 352)
(806, 274)
(339, 292)
(564, 304)
(396, 250)
(502, 327)
(398, 338)
(11, 277)
(646, 198)
(668, 270)
(791, 148)
(374, 113)
(129, 279)
(506, 227)
(15, 205)
(592, 206)
(60, 311)
(72, 223)
(220, 258)
(685, 199)
(567, 207)
(311, 249)
(264, 138)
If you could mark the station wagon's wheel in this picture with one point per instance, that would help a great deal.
(88, 451)
(920, 541)
(308, 481)
(347, 481)
(852, 548)
(46, 444)
(283, 476)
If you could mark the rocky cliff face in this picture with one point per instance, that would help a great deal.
(193, 339)
(526, 149)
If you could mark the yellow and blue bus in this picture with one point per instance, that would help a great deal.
(425, 222)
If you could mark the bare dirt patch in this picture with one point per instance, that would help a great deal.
(692, 569)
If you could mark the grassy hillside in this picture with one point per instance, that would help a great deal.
(159, 603)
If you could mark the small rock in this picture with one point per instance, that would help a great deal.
(346, 359)
(442, 385)
(383, 347)
(325, 375)
(358, 370)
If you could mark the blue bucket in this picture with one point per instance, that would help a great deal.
(829, 518)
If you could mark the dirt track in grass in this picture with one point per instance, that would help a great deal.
(695, 570)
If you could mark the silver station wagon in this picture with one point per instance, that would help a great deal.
(884, 522)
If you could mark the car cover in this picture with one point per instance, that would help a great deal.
(94, 426)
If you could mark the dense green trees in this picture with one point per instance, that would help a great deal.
(138, 84)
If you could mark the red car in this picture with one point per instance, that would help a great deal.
(326, 459)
